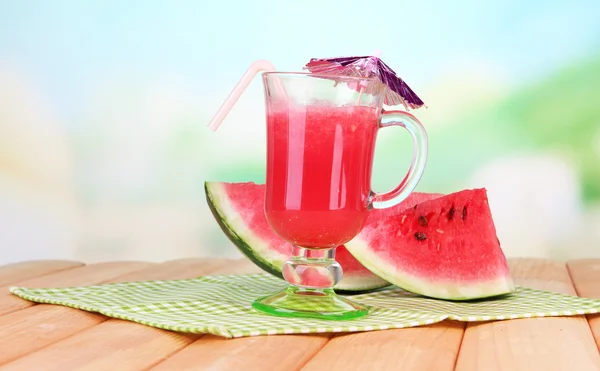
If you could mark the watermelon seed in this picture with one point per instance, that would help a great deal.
(403, 219)
(451, 213)
(420, 236)
(464, 213)
(423, 221)
(439, 231)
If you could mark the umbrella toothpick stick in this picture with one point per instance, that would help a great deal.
(376, 53)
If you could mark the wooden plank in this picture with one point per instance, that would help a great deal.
(553, 343)
(432, 347)
(21, 271)
(176, 270)
(585, 274)
(85, 275)
(34, 328)
(281, 352)
(111, 345)
(31, 329)
(129, 345)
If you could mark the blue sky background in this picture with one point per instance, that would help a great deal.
(66, 47)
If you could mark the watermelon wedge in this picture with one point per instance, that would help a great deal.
(239, 210)
(444, 248)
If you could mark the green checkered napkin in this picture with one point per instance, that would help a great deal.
(221, 305)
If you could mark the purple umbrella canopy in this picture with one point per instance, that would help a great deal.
(397, 91)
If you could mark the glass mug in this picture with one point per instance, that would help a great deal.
(321, 133)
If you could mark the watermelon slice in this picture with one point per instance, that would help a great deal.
(239, 210)
(444, 248)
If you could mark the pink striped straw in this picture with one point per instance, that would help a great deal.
(376, 53)
(240, 87)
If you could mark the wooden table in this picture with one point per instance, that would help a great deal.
(49, 337)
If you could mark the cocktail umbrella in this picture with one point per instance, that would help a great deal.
(396, 90)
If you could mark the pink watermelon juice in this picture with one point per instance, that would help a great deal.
(319, 162)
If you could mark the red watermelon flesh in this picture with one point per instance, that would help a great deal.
(444, 248)
(239, 210)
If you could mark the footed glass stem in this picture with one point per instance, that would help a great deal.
(311, 273)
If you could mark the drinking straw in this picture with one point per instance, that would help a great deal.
(240, 87)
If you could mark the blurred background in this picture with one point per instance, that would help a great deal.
(104, 105)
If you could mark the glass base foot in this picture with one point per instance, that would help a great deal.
(310, 303)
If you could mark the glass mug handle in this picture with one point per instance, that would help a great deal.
(417, 166)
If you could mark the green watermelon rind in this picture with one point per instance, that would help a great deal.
(455, 292)
(255, 249)
(238, 233)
